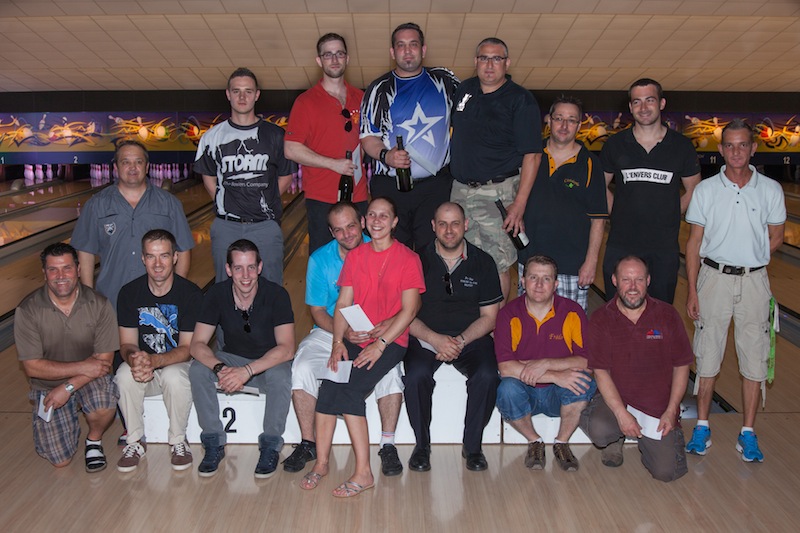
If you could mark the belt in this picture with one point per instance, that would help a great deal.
(732, 270)
(497, 179)
(242, 220)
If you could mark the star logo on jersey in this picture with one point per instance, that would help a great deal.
(419, 126)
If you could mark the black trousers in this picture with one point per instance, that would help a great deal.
(478, 363)
(415, 209)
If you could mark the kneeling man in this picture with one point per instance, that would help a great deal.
(66, 335)
(640, 355)
(157, 313)
(542, 357)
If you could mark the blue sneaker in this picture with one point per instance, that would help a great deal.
(267, 463)
(747, 445)
(701, 440)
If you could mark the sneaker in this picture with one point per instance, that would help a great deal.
(535, 458)
(123, 439)
(304, 452)
(747, 445)
(612, 454)
(213, 456)
(131, 456)
(267, 463)
(181, 456)
(390, 462)
(564, 457)
(700, 441)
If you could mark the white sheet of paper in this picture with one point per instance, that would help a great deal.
(247, 389)
(357, 318)
(342, 374)
(428, 346)
(357, 163)
(45, 414)
(648, 423)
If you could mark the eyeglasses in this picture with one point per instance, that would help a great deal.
(494, 59)
(246, 318)
(327, 56)
(348, 126)
(448, 284)
(570, 121)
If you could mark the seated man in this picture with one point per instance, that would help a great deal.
(157, 314)
(66, 335)
(324, 265)
(542, 357)
(454, 322)
(258, 326)
(640, 355)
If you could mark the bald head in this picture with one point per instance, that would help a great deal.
(449, 225)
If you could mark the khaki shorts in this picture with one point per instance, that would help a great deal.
(485, 226)
(746, 300)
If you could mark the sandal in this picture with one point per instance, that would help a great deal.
(95, 463)
(348, 489)
(310, 481)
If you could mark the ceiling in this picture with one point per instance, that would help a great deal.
(688, 45)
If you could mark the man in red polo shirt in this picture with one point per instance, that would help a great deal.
(640, 355)
(542, 358)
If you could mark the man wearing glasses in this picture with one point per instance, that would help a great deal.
(567, 208)
(256, 318)
(497, 145)
(323, 126)
(245, 172)
(412, 102)
(453, 326)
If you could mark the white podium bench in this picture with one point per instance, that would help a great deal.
(242, 416)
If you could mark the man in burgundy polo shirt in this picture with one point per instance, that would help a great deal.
(640, 354)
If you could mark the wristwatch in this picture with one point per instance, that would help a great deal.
(218, 367)
(70, 388)
(382, 157)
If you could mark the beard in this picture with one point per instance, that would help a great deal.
(632, 303)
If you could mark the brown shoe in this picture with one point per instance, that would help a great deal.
(611, 455)
(131, 456)
(564, 457)
(535, 459)
(181, 456)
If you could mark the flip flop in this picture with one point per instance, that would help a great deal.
(310, 481)
(348, 489)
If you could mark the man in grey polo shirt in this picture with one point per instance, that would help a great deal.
(114, 220)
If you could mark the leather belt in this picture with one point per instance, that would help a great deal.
(497, 179)
(732, 270)
(242, 220)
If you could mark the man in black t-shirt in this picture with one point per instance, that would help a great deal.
(157, 314)
(453, 326)
(648, 164)
(258, 326)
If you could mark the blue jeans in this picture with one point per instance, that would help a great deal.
(516, 400)
(275, 383)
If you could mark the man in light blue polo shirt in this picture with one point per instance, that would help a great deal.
(737, 221)
(324, 265)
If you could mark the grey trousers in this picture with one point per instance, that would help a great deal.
(275, 383)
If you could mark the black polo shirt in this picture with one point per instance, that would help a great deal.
(561, 207)
(492, 132)
(475, 284)
(647, 188)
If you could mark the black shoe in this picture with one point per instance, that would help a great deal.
(420, 459)
(475, 461)
(267, 463)
(390, 462)
(304, 452)
(211, 459)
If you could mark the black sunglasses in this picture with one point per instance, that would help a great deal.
(448, 284)
(348, 126)
(246, 318)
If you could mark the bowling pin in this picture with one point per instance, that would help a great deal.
(28, 173)
(38, 173)
(49, 173)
